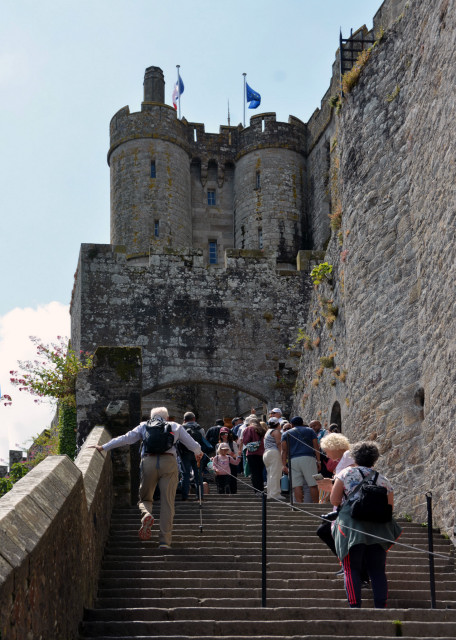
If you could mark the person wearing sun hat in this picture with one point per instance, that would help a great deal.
(222, 466)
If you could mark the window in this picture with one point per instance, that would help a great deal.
(153, 173)
(211, 197)
(157, 228)
(258, 180)
(213, 252)
(260, 238)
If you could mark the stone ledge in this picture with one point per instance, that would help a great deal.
(53, 524)
(91, 465)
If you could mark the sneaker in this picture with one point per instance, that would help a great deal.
(365, 584)
(147, 522)
(340, 573)
(163, 545)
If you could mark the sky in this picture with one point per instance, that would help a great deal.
(66, 68)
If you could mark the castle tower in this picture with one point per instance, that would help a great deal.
(270, 186)
(150, 173)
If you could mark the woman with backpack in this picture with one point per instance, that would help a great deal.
(253, 442)
(368, 539)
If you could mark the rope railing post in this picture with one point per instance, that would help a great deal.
(263, 552)
(431, 549)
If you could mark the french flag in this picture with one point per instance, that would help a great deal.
(177, 92)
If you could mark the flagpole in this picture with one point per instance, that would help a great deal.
(178, 90)
(244, 74)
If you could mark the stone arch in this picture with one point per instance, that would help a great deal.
(208, 399)
(336, 416)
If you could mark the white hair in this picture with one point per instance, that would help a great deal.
(160, 411)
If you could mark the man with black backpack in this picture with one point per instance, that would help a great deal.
(187, 456)
(158, 466)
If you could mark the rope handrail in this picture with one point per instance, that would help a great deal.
(295, 508)
(396, 484)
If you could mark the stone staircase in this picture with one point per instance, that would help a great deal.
(209, 585)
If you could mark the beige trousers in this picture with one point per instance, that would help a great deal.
(161, 470)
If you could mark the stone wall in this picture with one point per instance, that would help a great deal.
(53, 527)
(195, 325)
(393, 340)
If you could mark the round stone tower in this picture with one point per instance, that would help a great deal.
(270, 186)
(150, 173)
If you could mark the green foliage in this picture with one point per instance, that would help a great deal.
(67, 430)
(350, 78)
(321, 272)
(302, 337)
(393, 95)
(43, 445)
(335, 102)
(398, 628)
(18, 470)
(5, 485)
(53, 375)
(327, 362)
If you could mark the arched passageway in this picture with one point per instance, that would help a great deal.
(336, 417)
(208, 402)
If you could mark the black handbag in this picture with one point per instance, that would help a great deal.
(371, 503)
(331, 516)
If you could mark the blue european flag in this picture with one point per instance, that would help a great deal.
(253, 97)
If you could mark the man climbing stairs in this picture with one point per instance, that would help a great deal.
(209, 584)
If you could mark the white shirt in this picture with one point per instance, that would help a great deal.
(344, 462)
(139, 432)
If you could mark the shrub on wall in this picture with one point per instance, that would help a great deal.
(67, 430)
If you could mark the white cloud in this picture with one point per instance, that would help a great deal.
(24, 419)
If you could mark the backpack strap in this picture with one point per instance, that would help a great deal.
(365, 479)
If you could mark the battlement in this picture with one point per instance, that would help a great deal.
(155, 120)
(159, 121)
(265, 131)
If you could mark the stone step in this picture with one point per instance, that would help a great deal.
(326, 592)
(229, 602)
(258, 628)
(254, 571)
(267, 637)
(266, 614)
(245, 581)
(321, 568)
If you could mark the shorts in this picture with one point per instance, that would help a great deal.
(302, 469)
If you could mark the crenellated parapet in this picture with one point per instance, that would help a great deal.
(154, 121)
(265, 132)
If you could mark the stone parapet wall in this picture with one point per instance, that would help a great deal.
(53, 526)
(393, 340)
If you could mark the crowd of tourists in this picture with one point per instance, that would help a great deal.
(279, 456)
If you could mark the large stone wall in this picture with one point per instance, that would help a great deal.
(393, 341)
(53, 527)
(229, 327)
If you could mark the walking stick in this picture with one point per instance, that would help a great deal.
(200, 478)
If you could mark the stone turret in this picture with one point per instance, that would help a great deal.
(150, 173)
(270, 186)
